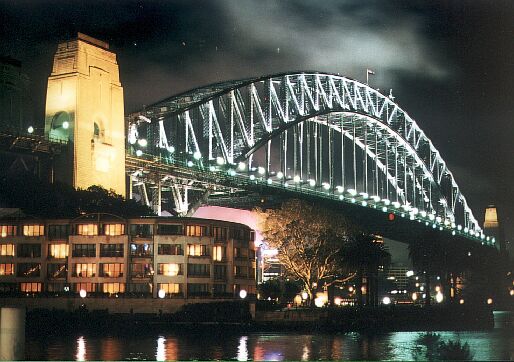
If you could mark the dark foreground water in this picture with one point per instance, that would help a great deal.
(497, 344)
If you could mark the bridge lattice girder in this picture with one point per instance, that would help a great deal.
(320, 132)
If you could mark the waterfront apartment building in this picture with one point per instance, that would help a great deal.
(103, 254)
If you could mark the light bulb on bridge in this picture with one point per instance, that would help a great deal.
(261, 170)
(312, 183)
(142, 142)
(241, 166)
(326, 186)
(220, 161)
(30, 129)
(340, 189)
(197, 155)
(297, 179)
(352, 192)
(65, 125)
(139, 153)
(280, 175)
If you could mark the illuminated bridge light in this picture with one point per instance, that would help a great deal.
(459, 227)
(386, 202)
(414, 211)
(364, 203)
(197, 155)
(438, 219)
(466, 230)
(353, 200)
(375, 198)
(270, 181)
(434, 226)
(312, 183)
(326, 186)
(431, 217)
(142, 142)
(241, 166)
(453, 232)
(297, 179)
(384, 209)
(341, 197)
(396, 204)
(280, 175)
(340, 189)
(352, 192)
(139, 153)
(423, 213)
(364, 195)
(190, 163)
(220, 161)
(231, 172)
(261, 170)
(212, 168)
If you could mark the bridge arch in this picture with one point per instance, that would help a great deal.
(280, 129)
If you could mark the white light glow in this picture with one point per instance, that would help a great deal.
(142, 142)
(340, 189)
(312, 183)
(326, 186)
(352, 192)
(252, 177)
(386, 202)
(242, 294)
(82, 293)
(297, 179)
(386, 300)
(139, 153)
(261, 170)
(280, 175)
(161, 293)
(30, 129)
(197, 155)
(409, 273)
(190, 163)
(439, 297)
(220, 160)
(241, 166)
(65, 125)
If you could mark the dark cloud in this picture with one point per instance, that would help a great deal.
(450, 64)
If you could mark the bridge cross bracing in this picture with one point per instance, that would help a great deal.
(314, 133)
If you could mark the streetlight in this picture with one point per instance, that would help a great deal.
(30, 130)
(242, 294)
(161, 293)
(386, 300)
(82, 293)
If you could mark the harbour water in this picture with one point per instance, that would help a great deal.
(494, 344)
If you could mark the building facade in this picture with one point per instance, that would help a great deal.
(105, 255)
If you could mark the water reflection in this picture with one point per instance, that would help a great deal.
(161, 349)
(486, 345)
(242, 349)
(81, 349)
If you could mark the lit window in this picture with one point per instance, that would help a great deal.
(7, 230)
(170, 288)
(196, 230)
(218, 253)
(7, 250)
(112, 288)
(114, 229)
(58, 251)
(170, 269)
(28, 269)
(88, 287)
(87, 229)
(111, 270)
(30, 287)
(84, 270)
(197, 250)
(6, 269)
(33, 230)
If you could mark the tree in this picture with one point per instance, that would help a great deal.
(427, 257)
(365, 255)
(309, 240)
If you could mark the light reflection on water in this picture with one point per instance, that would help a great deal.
(486, 345)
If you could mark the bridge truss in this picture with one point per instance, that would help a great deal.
(313, 133)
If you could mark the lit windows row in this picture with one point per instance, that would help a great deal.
(138, 230)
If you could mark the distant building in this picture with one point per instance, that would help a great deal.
(104, 255)
(15, 102)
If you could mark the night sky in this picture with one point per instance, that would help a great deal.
(450, 64)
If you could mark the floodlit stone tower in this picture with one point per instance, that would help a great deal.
(493, 228)
(84, 106)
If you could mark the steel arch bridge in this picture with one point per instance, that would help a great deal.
(312, 133)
